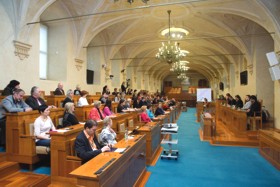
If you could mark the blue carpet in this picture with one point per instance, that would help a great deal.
(200, 164)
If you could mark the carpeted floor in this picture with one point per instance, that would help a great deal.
(200, 164)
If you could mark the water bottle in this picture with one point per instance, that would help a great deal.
(126, 135)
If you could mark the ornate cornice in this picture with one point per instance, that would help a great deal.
(79, 63)
(21, 49)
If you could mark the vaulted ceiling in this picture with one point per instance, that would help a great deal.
(220, 31)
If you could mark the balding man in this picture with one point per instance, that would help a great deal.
(59, 90)
(11, 103)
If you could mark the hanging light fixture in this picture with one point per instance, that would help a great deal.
(169, 52)
(179, 67)
(182, 76)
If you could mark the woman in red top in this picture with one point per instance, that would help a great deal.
(144, 116)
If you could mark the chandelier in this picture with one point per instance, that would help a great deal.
(182, 76)
(169, 52)
(179, 67)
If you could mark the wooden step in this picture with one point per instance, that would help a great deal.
(25, 179)
(7, 168)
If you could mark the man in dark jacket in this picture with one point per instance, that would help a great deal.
(86, 143)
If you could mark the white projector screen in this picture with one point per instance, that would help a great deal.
(202, 93)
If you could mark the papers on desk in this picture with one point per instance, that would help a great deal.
(119, 150)
(82, 123)
(62, 130)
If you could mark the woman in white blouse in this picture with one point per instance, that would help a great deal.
(83, 99)
(108, 135)
(42, 126)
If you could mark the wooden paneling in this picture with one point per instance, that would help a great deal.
(270, 146)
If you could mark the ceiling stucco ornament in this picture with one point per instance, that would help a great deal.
(79, 64)
(21, 49)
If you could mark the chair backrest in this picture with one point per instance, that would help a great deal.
(72, 147)
(121, 126)
(130, 123)
(30, 129)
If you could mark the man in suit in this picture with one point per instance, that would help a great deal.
(59, 90)
(11, 103)
(86, 143)
(34, 101)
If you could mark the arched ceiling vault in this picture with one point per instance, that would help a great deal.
(219, 31)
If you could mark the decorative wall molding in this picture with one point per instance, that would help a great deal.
(79, 63)
(237, 74)
(250, 68)
(21, 49)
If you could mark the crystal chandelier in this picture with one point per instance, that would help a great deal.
(179, 67)
(182, 76)
(169, 52)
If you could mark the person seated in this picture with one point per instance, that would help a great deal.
(78, 90)
(103, 98)
(117, 97)
(159, 110)
(247, 103)
(83, 99)
(205, 103)
(115, 92)
(255, 107)
(8, 90)
(127, 104)
(42, 126)
(150, 112)
(108, 135)
(69, 98)
(34, 101)
(107, 110)
(165, 106)
(136, 102)
(69, 117)
(11, 103)
(95, 113)
(144, 116)
(59, 90)
(172, 102)
(129, 92)
(86, 143)
(142, 102)
(105, 90)
(120, 107)
(238, 102)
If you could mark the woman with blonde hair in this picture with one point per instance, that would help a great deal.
(108, 135)
(69, 117)
(144, 116)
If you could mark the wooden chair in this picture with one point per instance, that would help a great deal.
(72, 161)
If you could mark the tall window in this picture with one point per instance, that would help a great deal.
(43, 51)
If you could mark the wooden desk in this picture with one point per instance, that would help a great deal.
(207, 127)
(82, 112)
(55, 100)
(60, 149)
(127, 170)
(20, 144)
(270, 146)
(152, 130)
(234, 120)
